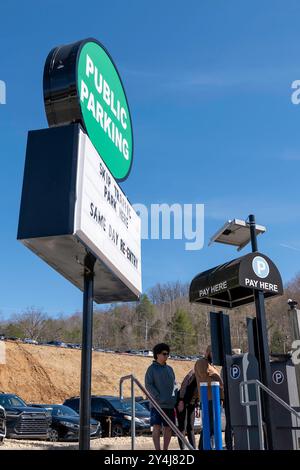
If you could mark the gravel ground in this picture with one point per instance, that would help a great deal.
(108, 443)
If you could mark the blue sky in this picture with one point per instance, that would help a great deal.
(209, 87)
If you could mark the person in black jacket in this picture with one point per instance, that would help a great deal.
(187, 401)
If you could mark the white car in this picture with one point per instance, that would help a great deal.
(198, 420)
(30, 341)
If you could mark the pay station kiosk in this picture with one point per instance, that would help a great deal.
(284, 385)
(228, 286)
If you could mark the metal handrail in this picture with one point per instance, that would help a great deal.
(258, 387)
(174, 428)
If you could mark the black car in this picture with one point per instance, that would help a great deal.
(22, 421)
(146, 404)
(2, 424)
(114, 414)
(65, 423)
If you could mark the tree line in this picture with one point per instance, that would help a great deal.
(164, 314)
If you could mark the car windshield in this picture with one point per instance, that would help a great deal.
(61, 410)
(125, 406)
(11, 400)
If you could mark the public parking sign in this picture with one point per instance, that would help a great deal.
(70, 203)
(82, 84)
(73, 213)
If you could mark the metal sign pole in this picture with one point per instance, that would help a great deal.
(221, 348)
(206, 445)
(86, 353)
(262, 339)
(132, 415)
(226, 341)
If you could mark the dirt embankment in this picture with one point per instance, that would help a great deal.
(45, 374)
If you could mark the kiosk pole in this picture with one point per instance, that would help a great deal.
(221, 348)
(205, 416)
(262, 340)
(215, 388)
(86, 353)
(226, 350)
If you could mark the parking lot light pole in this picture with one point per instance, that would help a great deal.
(86, 353)
(263, 344)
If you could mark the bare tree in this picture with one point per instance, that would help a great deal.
(32, 323)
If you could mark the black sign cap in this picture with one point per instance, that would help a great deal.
(233, 284)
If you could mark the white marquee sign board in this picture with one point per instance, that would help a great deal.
(71, 204)
(104, 219)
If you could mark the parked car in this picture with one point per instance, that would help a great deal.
(195, 358)
(198, 420)
(30, 341)
(145, 403)
(2, 424)
(73, 346)
(23, 421)
(146, 352)
(114, 414)
(65, 423)
(59, 344)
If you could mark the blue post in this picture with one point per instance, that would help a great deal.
(215, 387)
(205, 416)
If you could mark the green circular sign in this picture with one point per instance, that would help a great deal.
(81, 84)
(104, 108)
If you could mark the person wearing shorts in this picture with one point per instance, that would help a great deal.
(157, 420)
(160, 383)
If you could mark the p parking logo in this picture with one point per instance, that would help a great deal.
(260, 267)
(235, 371)
(278, 377)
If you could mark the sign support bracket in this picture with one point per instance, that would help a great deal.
(86, 352)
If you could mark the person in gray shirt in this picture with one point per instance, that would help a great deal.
(160, 383)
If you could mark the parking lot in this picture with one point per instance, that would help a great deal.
(110, 443)
(51, 375)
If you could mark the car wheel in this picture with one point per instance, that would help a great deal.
(117, 430)
(2, 437)
(53, 435)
